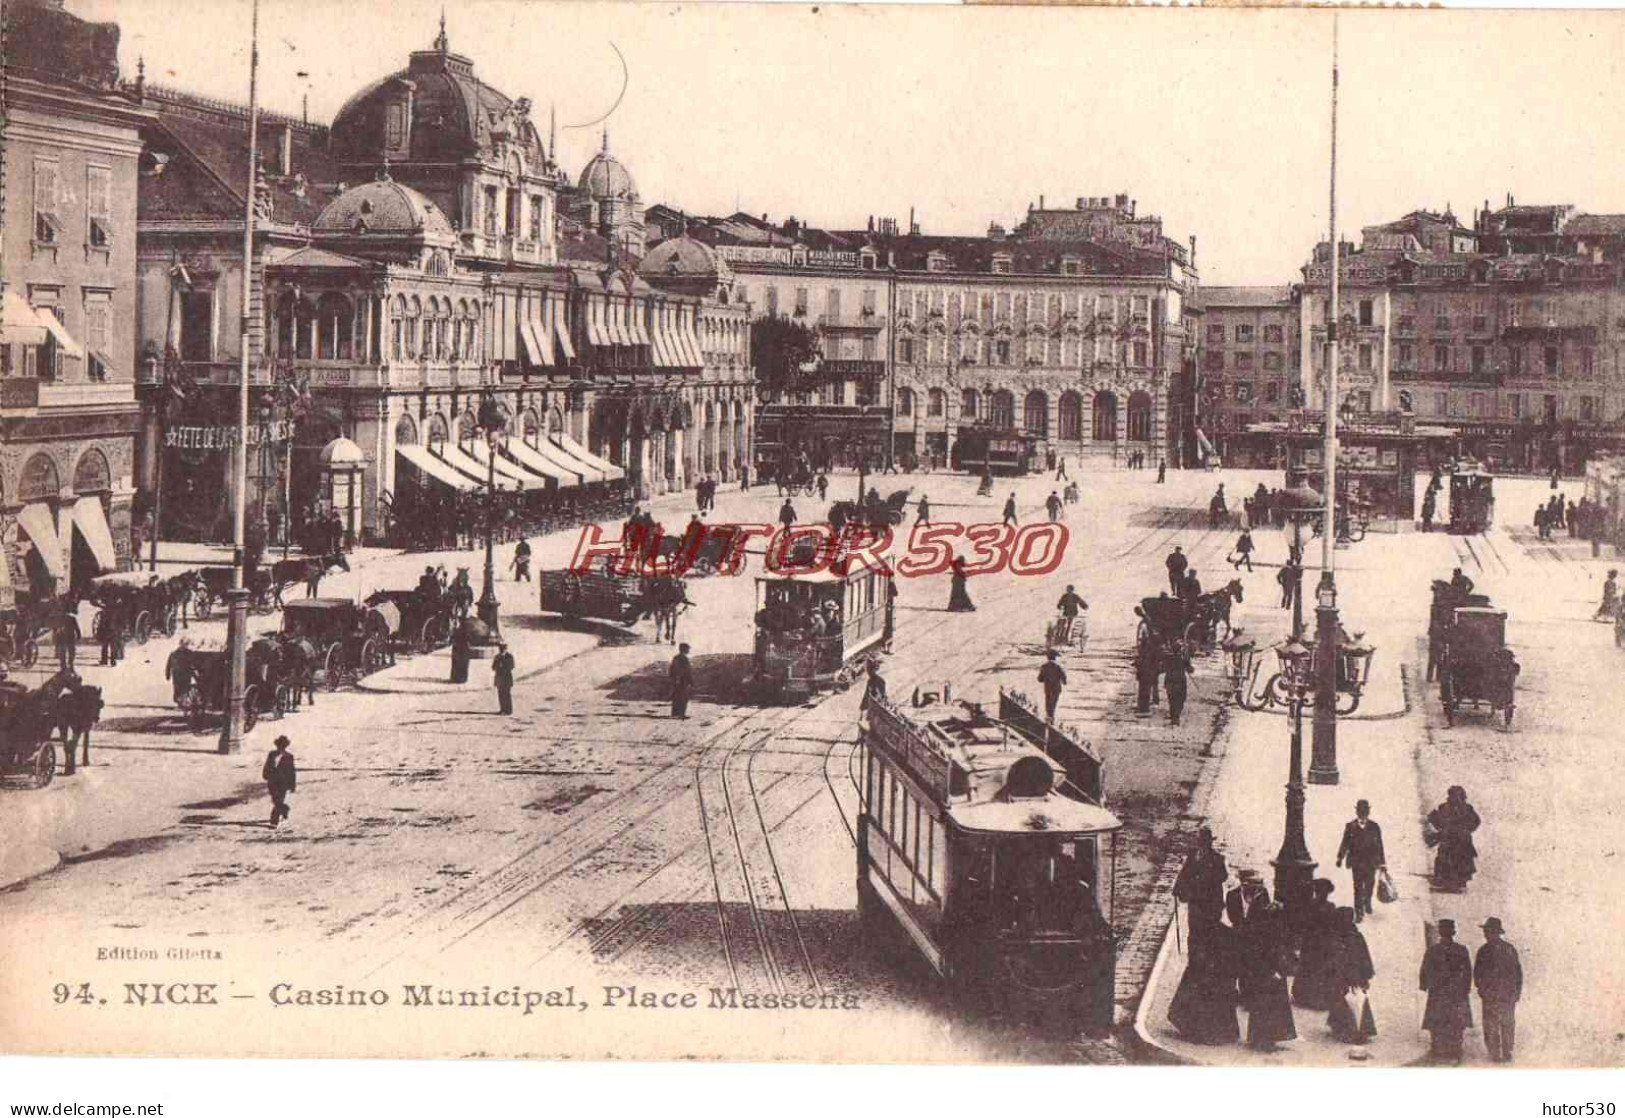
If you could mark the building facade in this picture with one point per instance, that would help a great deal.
(1511, 333)
(411, 260)
(1250, 368)
(68, 412)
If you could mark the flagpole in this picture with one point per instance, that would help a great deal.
(231, 735)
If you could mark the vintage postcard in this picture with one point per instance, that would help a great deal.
(828, 534)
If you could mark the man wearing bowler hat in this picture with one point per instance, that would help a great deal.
(1362, 850)
(1447, 976)
(280, 776)
(1052, 677)
(1499, 977)
(682, 682)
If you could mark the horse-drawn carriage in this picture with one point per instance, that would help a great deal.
(1467, 648)
(1201, 624)
(345, 639)
(415, 620)
(1472, 499)
(200, 674)
(27, 721)
(872, 513)
(211, 585)
(24, 627)
(607, 595)
(140, 604)
(815, 631)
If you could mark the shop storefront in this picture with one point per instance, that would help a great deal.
(1377, 460)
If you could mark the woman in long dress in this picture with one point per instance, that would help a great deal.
(1315, 986)
(1354, 972)
(958, 599)
(1454, 822)
(1204, 1005)
(1269, 1010)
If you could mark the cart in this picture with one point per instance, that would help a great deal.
(1477, 669)
(414, 620)
(201, 673)
(27, 721)
(140, 601)
(347, 640)
(597, 594)
(1068, 632)
(214, 582)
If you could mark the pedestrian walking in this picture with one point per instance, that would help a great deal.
(891, 611)
(1362, 849)
(1052, 677)
(1203, 1008)
(1350, 1019)
(1429, 508)
(823, 486)
(1053, 504)
(924, 516)
(1147, 669)
(1451, 826)
(1200, 885)
(1610, 597)
(461, 654)
(875, 688)
(1060, 474)
(682, 682)
(1447, 976)
(744, 477)
(281, 776)
(502, 672)
(1177, 564)
(1498, 974)
(787, 513)
(1010, 510)
(1216, 508)
(1265, 946)
(1162, 472)
(958, 596)
(1316, 984)
(63, 633)
(1176, 668)
(1244, 550)
(521, 562)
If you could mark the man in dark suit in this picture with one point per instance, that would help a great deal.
(1052, 677)
(1499, 977)
(1362, 849)
(1447, 976)
(1201, 884)
(280, 775)
(1241, 902)
(682, 682)
(502, 669)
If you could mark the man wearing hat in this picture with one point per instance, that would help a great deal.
(1499, 977)
(1201, 886)
(1610, 597)
(1176, 564)
(1362, 850)
(1447, 976)
(502, 668)
(876, 686)
(280, 776)
(1053, 678)
(1240, 902)
(682, 682)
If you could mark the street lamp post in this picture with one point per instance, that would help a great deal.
(493, 419)
(1294, 868)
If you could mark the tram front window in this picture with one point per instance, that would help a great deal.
(1047, 886)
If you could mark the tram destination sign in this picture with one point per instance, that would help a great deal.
(223, 437)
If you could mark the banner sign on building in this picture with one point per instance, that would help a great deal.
(219, 437)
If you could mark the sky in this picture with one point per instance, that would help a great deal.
(1216, 120)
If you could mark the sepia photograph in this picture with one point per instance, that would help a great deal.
(820, 534)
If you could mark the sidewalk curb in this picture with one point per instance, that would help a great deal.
(41, 861)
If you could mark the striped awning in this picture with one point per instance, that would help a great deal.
(37, 521)
(609, 470)
(640, 336)
(91, 521)
(508, 473)
(535, 460)
(20, 323)
(661, 342)
(615, 321)
(432, 467)
(561, 330)
(532, 344)
(70, 348)
(596, 333)
(537, 335)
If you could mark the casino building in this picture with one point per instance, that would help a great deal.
(423, 251)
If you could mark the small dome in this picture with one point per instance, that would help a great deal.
(383, 208)
(684, 257)
(342, 452)
(606, 177)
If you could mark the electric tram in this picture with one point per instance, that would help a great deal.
(986, 841)
(814, 629)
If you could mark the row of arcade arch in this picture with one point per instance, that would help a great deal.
(63, 540)
(1108, 420)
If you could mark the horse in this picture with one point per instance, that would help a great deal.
(296, 665)
(665, 598)
(1214, 607)
(287, 572)
(460, 594)
(78, 708)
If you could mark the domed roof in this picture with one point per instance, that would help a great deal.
(453, 114)
(383, 208)
(685, 257)
(342, 452)
(606, 177)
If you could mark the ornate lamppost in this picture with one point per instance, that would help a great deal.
(493, 420)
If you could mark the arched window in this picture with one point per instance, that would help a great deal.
(91, 474)
(304, 326)
(437, 430)
(466, 428)
(970, 404)
(1139, 417)
(39, 481)
(286, 316)
(1071, 425)
(555, 422)
(905, 401)
(406, 432)
(1002, 413)
(1105, 417)
(935, 402)
(1035, 414)
(397, 326)
(335, 327)
(442, 326)
(471, 331)
(414, 318)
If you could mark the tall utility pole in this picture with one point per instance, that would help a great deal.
(231, 736)
(1323, 757)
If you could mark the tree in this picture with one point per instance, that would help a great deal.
(780, 347)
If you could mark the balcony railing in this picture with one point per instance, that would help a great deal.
(863, 322)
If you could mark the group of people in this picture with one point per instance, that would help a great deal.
(437, 519)
(1136, 461)
(705, 493)
(1584, 519)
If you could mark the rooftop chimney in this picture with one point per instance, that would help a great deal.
(871, 223)
(1040, 201)
(1081, 202)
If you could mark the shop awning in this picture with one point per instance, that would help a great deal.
(532, 344)
(537, 461)
(91, 521)
(595, 323)
(610, 471)
(64, 340)
(36, 520)
(589, 474)
(544, 335)
(458, 459)
(561, 331)
(507, 472)
(640, 335)
(20, 323)
(694, 344)
(432, 467)
(661, 341)
(614, 325)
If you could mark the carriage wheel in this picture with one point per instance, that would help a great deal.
(283, 701)
(197, 712)
(1510, 708)
(251, 708)
(1357, 533)
(142, 629)
(29, 652)
(202, 607)
(333, 667)
(45, 764)
(704, 567)
(1195, 635)
(171, 619)
(372, 656)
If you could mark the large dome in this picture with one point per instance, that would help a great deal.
(383, 208)
(683, 257)
(606, 177)
(453, 115)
